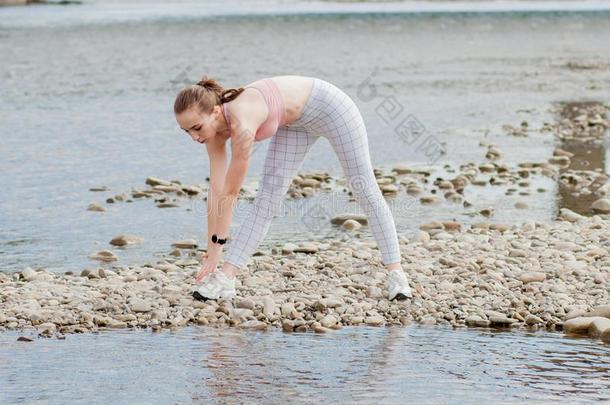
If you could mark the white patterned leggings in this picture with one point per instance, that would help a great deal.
(331, 113)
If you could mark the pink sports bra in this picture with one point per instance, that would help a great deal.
(275, 104)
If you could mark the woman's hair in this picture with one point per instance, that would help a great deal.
(205, 94)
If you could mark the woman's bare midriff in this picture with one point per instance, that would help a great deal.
(295, 91)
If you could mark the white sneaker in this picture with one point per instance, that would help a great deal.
(398, 285)
(217, 285)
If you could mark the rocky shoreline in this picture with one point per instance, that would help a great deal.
(13, 2)
(534, 275)
(33, 2)
(580, 123)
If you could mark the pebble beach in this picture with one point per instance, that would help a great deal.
(535, 275)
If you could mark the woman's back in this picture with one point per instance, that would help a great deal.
(284, 96)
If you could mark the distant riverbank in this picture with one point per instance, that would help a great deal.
(14, 2)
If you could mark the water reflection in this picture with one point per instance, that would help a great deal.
(361, 364)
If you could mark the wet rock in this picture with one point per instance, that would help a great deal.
(578, 326)
(329, 302)
(153, 181)
(598, 326)
(562, 152)
(116, 324)
(269, 307)
(240, 313)
(414, 189)
(429, 200)
(520, 205)
(445, 185)
(167, 205)
(306, 247)
(432, 226)
(99, 189)
(138, 305)
(452, 226)
(531, 277)
(475, 320)
(253, 325)
(374, 320)
(168, 189)
(601, 206)
(124, 240)
(351, 225)
(47, 328)
(289, 248)
(341, 218)
(28, 274)
(287, 325)
(428, 320)
(104, 256)
(422, 236)
(317, 328)
(287, 309)
(389, 189)
(244, 303)
(493, 153)
(401, 169)
(531, 319)
(328, 321)
(192, 190)
(185, 244)
(501, 320)
(602, 310)
(487, 212)
(95, 207)
(562, 161)
(487, 168)
(187, 262)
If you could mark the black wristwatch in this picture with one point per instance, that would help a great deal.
(216, 239)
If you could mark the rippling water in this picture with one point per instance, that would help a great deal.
(414, 364)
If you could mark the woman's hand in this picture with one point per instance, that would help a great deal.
(209, 262)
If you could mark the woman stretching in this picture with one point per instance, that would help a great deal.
(294, 111)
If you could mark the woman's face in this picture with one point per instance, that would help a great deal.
(200, 126)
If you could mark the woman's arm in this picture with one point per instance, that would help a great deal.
(217, 152)
(222, 209)
(247, 117)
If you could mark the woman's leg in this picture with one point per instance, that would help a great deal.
(287, 150)
(348, 137)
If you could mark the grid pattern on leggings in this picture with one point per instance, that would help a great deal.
(286, 153)
(331, 113)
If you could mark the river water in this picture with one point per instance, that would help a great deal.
(412, 364)
(87, 94)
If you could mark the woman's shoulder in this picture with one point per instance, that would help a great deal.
(249, 107)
